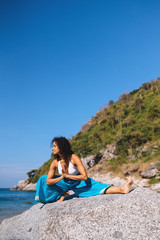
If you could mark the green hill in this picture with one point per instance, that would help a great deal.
(131, 122)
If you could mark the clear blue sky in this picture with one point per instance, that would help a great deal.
(60, 61)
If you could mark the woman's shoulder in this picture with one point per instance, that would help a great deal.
(54, 163)
(75, 158)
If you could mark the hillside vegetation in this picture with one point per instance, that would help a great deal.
(131, 122)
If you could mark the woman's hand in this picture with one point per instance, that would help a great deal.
(65, 175)
(64, 172)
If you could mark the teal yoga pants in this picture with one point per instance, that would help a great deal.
(45, 193)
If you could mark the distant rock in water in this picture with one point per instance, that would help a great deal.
(111, 216)
(24, 185)
(28, 202)
(14, 187)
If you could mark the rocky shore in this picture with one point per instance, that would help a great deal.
(112, 216)
(24, 185)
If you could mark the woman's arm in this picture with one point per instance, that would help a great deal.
(50, 179)
(81, 169)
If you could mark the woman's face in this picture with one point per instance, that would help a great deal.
(55, 148)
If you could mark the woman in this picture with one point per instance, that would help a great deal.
(72, 176)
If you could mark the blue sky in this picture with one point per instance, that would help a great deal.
(60, 61)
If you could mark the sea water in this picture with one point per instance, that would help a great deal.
(14, 202)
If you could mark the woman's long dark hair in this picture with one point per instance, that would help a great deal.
(64, 147)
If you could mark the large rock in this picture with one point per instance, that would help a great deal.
(22, 184)
(114, 216)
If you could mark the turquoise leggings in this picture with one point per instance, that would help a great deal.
(45, 193)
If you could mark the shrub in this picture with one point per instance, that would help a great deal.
(146, 86)
(110, 102)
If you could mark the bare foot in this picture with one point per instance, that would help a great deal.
(126, 187)
(63, 197)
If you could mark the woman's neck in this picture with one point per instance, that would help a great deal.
(61, 158)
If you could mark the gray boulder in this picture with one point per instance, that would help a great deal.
(152, 171)
(113, 216)
(89, 161)
(149, 173)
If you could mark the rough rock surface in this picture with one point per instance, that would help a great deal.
(114, 216)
